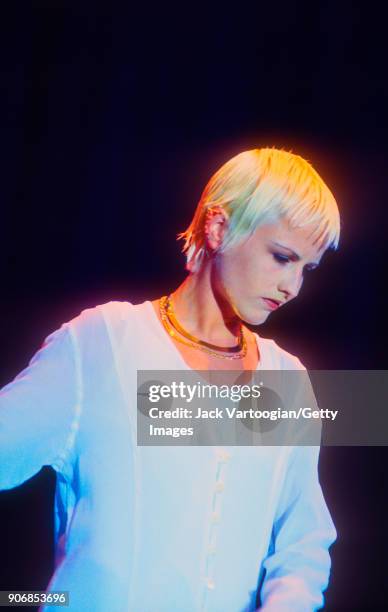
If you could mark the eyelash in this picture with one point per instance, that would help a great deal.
(283, 259)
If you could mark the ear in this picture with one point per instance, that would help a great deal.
(216, 224)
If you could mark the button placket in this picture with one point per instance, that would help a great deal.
(220, 486)
(222, 458)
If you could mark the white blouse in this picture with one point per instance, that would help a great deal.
(159, 528)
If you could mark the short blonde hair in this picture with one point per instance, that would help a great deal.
(261, 186)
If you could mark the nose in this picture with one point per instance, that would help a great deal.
(290, 285)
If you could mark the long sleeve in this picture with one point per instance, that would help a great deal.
(298, 565)
(38, 410)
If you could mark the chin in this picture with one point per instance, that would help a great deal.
(255, 318)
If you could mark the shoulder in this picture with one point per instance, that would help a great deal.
(278, 357)
(109, 314)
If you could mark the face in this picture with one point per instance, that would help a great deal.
(270, 265)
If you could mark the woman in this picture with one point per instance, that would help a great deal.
(141, 528)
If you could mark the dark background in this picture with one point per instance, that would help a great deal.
(115, 118)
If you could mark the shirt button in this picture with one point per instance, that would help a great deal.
(220, 486)
(215, 517)
(210, 583)
(222, 455)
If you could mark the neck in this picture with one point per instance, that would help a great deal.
(201, 310)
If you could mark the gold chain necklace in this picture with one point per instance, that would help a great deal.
(172, 326)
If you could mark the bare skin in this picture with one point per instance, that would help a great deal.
(213, 303)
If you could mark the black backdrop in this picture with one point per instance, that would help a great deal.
(115, 117)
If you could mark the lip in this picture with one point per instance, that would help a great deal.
(272, 304)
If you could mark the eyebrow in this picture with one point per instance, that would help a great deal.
(295, 255)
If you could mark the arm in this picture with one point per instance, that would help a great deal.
(298, 566)
(38, 411)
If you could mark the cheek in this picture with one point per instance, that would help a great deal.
(227, 272)
(240, 275)
(237, 270)
(248, 267)
(229, 277)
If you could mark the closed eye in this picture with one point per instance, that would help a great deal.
(282, 259)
